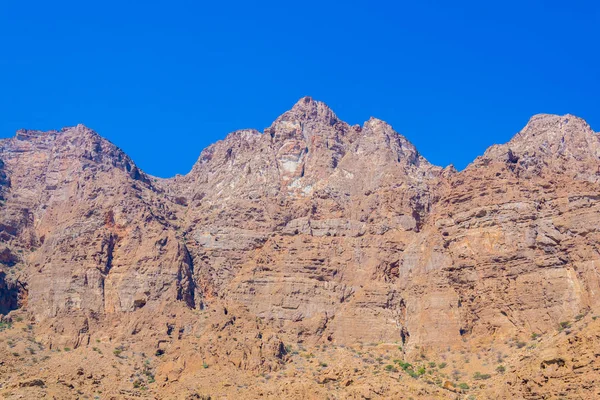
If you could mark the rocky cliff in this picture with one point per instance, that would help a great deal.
(312, 235)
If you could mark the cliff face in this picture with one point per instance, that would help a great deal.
(87, 228)
(520, 225)
(321, 232)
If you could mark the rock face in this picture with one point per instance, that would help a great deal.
(88, 224)
(520, 225)
(314, 232)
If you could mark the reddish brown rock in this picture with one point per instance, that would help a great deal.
(313, 249)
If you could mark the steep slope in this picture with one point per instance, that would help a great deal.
(291, 223)
(519, 224)
(313, 237)
(92, 234)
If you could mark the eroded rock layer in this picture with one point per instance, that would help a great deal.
(312, 233)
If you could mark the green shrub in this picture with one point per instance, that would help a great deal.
(565, 325)
(404, 365)
(5, 325)
(479, 376)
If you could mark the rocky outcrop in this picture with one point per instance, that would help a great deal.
(314, 233)
(92, 228)
(4, 182)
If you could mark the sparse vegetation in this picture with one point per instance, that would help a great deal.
(5, 325)
(564, 325)
(118, 351)
(478, 376)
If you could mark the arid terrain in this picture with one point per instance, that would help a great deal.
(314, 260)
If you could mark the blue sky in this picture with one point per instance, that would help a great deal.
(163, 80)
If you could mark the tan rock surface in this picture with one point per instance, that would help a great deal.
(314, 260)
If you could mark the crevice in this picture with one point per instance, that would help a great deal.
(12, 294)
(186, 285)
(404, 335)
(110, 247)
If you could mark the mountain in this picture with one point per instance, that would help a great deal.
(315, 259)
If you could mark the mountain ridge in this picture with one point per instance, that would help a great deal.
(302, 106)
(314, 239)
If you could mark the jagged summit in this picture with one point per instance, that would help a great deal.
(308, 107)
(315, 237)
(27, 134)
(307, 149)
(551, 137)
(78, 147)
(544, 134)
(552, 125)
(305, 119)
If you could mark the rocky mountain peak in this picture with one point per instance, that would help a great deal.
(78, 146)
(545, 121)
(377, 136)
(305, 119)
(551, 129)
(305, 148)
(549, 141)
(313, 236)
(32, 134)
(309, 109)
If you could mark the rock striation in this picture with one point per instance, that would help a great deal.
(311, 233)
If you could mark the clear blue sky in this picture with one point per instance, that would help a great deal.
(163, 80)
